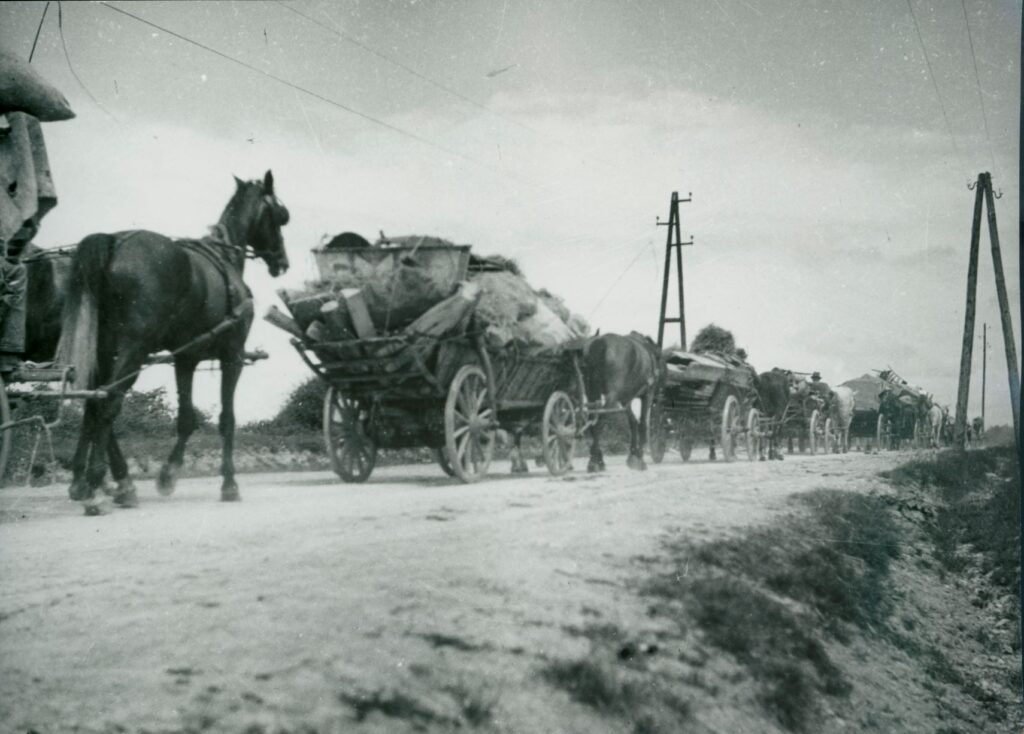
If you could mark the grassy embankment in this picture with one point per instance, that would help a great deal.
(891, 610)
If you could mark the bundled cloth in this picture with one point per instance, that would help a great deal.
(400, 285)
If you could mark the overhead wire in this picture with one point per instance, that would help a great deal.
(71, 66)
(38, 29)
(977, 82)
(438, 85)
(935, 84)
(328, 100)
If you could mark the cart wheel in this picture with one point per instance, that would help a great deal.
(6, 436)
(442, 461)
(732, 426)
(830, 438)
(656, 438)
(469, 425)
(812, 432)
(558, 433)
(353, 454)
(685, 446)
(754, 434)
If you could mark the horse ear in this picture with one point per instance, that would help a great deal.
(238, 181)
(268, 182)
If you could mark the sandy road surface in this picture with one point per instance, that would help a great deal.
(190, 614)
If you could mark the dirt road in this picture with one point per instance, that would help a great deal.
(408, 603)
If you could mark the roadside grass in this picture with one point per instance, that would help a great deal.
(599, 681)
(773, 597)
(978, 508)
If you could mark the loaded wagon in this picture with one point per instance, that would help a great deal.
(706, 396)
(805, 415)
(903, 412)
(868, 425)
(438, 382)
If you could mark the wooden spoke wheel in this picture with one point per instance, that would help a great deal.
(656, 430)
(829, 437)
(6, 435)
(352, 452)
(732, 427)
(441, 457)
(558, 433)
(813, 432)
(469, 424)
(754, 437)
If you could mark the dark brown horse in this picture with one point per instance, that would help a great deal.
(774, 392)
(135, 293)
(47, 273)
(618, 369)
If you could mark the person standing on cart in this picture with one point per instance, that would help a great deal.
(26, 189)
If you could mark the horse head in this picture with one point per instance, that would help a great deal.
(254, 217)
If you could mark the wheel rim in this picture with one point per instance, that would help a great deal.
(730, 417)
(656, 438)
(753, 434)
(829, 437)
(351, 451)
(6, 438)
(469, 425)
(812, 433)
(558, 433)
(441, 457)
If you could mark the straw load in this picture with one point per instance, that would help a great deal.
(421, 285)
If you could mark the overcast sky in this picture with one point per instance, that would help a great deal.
(830, 208)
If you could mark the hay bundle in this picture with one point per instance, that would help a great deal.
(713, 338)
(505, 298)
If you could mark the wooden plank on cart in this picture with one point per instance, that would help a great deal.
(358, 314)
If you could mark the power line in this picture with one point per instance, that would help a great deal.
(71, 67)
(935, 84)
(304, 90)
(435, 83)
(977, 82)
(40, 28)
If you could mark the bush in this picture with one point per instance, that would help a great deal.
(303, 409)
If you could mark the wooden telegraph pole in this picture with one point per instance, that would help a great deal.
(673, 243)
(983, 189)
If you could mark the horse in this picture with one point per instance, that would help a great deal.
(900, 413)
(935, 420)
(977, 432)
(137, 292)
(47, 274)
(773, 392)
(841, 412)
(618, 369)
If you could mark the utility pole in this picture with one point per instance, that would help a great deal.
(673, 243)
(983, 189)
(984, 367)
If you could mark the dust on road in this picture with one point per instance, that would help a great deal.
(413, 592)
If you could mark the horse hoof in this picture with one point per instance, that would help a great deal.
(96, 506)
(78, 491)
(127, 499)
(229, 493)
(167, 480)
(636, 463)
(520, 469)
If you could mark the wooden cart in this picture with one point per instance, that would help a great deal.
(450, 394)
(705, 397)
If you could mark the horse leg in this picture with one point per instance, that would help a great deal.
(184, 371)
(518, 462)
(128, 360)
(711, 452)
(124, 495)
(596, 462)
(635, 460)
(231, 370)
(79, 489)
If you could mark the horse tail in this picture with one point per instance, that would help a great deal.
(79, 340)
